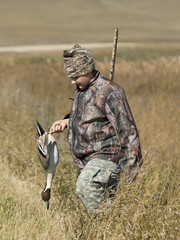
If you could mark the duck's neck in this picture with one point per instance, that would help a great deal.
(49, 179)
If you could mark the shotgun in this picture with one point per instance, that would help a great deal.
(113, 59)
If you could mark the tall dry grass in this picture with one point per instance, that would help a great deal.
(148, 208)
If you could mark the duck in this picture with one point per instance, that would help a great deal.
(48, 154)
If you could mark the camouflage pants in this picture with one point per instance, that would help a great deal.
(97, 182)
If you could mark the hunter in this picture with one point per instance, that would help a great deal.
(102, 134)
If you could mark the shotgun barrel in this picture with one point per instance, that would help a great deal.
(113, 59)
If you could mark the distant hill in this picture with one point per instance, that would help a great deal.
(69, 21)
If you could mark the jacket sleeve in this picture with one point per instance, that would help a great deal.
(119, 114)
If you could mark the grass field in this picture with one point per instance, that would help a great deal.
(47, 22)
(34, 86)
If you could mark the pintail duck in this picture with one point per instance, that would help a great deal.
(49, 157)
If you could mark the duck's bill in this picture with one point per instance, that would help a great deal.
(47, 204)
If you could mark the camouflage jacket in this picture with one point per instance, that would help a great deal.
(101, 125)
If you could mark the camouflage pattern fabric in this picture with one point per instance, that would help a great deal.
(77, 61)
(101, 126)
(96, 183)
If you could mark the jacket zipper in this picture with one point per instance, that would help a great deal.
(73, 120)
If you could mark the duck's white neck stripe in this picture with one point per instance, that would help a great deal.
(48, 181)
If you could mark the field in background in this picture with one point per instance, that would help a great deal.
(33, 86)
(139, 52)
(48, 22)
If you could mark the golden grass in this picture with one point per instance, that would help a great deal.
(148, 208)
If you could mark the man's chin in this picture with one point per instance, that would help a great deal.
(80, 87)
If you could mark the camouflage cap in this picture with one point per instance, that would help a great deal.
(77, 61)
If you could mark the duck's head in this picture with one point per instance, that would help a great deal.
(46, 194)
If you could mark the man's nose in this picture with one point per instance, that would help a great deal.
(73, 82)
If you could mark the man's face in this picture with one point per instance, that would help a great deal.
(82, 81)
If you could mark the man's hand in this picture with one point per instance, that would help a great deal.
(59, 126)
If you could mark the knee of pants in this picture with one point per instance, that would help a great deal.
(93, 182)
